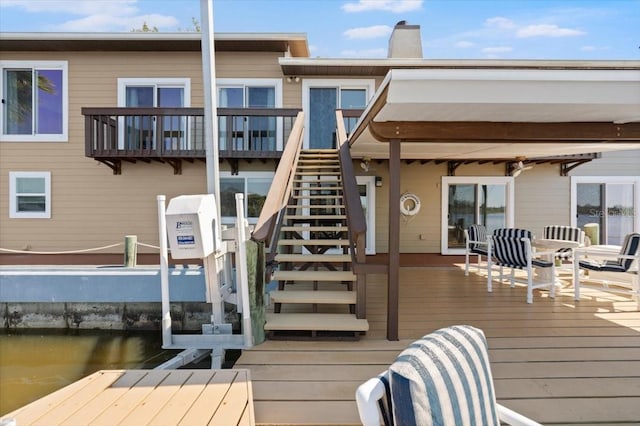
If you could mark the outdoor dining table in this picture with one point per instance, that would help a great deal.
(549, 248)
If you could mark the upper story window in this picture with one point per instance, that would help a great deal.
(321, 98)
(239, 133)
(34, 101)
(30, 195)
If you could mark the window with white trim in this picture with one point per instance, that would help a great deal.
(250, 133)
(321, 98)
(30, 195)
(34, 101)
(255, 187)
(611, 202)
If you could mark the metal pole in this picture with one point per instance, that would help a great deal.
(242, 280)
(167, 340)
(210, 110)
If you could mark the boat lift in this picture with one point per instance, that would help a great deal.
(189, 227)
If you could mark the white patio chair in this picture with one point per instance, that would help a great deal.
(442, 379)
(567, 233)
(516, 253)
(626, 262)
(475, 242)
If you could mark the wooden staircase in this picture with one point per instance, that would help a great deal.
(316, 296)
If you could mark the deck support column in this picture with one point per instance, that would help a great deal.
(393, 274)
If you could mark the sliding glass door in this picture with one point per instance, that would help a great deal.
(473, 200)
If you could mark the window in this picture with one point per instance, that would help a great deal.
(34, 101)
(486, 201)
(254, 185)
(249, 133)
(321, 98)
(610, 202)
(144, 132)
(30, 195)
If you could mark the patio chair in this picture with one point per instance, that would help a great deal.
(567, 233)
(475, 241)
(442, 379)
(626, 262)
(516, 253)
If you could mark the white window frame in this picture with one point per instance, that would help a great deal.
(473, 180)
(243, 83)
(370, 183)
(311, 83)
(34, 65)
(632, 180)
(123, 83)
(231, 220)
(13, 195)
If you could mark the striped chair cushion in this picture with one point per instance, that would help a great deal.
(512, 252)
(444, 379)
(559, 232)
(478, 233)
(629, 247)
(513, 232)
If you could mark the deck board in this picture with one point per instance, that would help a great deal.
(557, 361)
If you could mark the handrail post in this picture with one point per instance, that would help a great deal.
(355, 215)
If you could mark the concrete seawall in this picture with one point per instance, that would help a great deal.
(108, 298)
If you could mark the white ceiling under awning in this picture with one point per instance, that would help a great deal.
(408, 97)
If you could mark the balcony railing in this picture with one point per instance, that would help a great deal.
(174, 134)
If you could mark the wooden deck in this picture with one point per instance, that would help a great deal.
(556, 361)
(145, 397)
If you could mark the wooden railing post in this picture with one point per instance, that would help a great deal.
(356, 222)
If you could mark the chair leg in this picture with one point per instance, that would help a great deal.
(552, 291)
(576, 280)
(513, 277)
(466, 263)
(489, 284)
(529, 286)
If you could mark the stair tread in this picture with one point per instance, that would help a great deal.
(315, 216)
(310, 322)
(315, 206)
(315, 197)
(343, 297)
(315, 228)
(319, 242)
(313, 258)
(314, 276)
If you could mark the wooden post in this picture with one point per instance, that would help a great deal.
(393, 274)
(130, 251)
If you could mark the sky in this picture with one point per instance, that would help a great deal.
(451, 29)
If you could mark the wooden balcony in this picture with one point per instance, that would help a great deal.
(174, 135)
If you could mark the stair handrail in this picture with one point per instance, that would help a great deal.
(280, 190)
(356, 223)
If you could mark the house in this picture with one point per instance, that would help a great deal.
(70, 181)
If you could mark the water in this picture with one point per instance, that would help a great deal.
(34, 364)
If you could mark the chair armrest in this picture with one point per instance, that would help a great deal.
(367, 396)
(514, 419)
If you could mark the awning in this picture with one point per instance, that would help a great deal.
(501, 113)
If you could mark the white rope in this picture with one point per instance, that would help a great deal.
(148, 245)
(60, 252)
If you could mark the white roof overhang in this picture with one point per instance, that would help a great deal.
(501, 113)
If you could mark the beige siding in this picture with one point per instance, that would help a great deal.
(91, 207)
(619, 163)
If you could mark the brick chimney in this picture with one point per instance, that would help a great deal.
(405, 41)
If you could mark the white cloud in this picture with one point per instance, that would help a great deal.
(365, 53)
(497, 49)
(76, 7)
(593, 48)
(547, 30)
(375, 31)
(395, 6)
(112, 15)
(464, 44)
(500, 23)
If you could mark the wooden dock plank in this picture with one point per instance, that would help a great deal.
(201, 410)
(108, 396)
(30, 413)
(237, 401)
(127, 403)
(153, 403)
(73, 402)
(179, 405)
